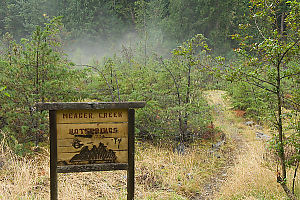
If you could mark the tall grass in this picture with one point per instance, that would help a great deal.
(160, 174)
(252, 177)
(253, 174)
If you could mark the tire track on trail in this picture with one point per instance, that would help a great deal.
(224, 119)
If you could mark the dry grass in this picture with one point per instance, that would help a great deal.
(160, 174)
(249, 178)
(253, 175)
(162, 169)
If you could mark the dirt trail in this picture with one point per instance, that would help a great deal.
(224, 117)
(234, 127)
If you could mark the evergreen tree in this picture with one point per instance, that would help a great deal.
(34, 71)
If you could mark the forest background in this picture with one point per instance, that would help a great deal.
(164, 52)
(120, 43)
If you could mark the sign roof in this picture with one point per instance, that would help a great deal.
(89, 105)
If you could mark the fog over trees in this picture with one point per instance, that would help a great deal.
(164, 24)
(165, 52)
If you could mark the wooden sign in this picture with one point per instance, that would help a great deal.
(92, 136)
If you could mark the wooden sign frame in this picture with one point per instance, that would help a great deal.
(74, 106)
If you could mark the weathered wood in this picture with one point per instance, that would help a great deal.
(92, 136)
(92, 131)
(131, 149)
(89, 105)
(115, 144)
(67, 158)
(97, 115)
(92, 167)
(53, 155)
(85, 136)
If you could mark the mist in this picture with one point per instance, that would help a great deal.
(86, 50)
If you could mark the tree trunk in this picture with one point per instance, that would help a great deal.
(281, 177)
(187, 99)
(294, 178)
(282, 25)
(287, 191)
(279, 126)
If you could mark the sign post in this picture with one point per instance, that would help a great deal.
(94, 136)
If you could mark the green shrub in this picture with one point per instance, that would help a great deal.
(34, 71)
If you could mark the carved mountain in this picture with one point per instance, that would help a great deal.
(96, 154)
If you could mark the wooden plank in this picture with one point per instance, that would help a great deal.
(53, 155)
(92, 150)
(92, 131)
(89, 105)
(82, 147)
(87, 116)
(92, 167)
(115, 144)
(87, 141)
(131, 149)
(84, 137)
(66, 159)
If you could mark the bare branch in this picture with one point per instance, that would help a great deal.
(290, 75)
(270, 83)
(260, 86)
(294, 178)
(107, 83)
(260, 32)
(255, 83)
(283, 55)
(174, 79)
(291, 101)
(118, 89)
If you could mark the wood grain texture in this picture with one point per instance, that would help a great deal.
(53, 155)
(92, 136)
(92, 167)
(84, 116)
(65, 159)
(115, 144)
(79, 150)
(89, 105)
(92, 131)
(131, 149)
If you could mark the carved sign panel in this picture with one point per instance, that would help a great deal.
(92, 136)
